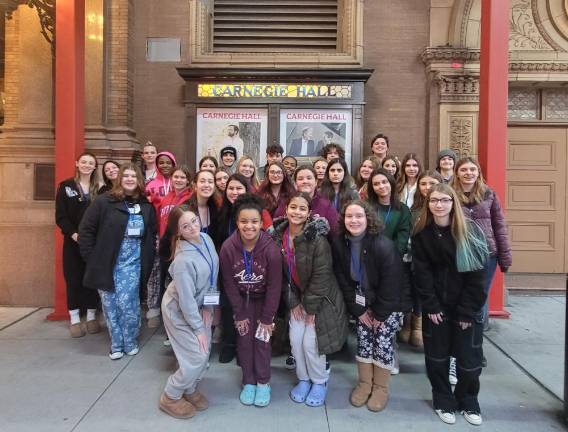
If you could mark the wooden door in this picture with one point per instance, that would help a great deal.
(536, 198)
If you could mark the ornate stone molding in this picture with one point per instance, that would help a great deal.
(524, 31)
(457, 88)
(461, 134)
(449, 54)
(538, 67)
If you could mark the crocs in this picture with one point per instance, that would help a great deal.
(262, 397)
(316, 397)
(300, 392)
(248, 394)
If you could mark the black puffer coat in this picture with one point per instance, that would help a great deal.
(387, 291)
(320, 294)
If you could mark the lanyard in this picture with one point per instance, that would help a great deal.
(290, 255)
(204, 229)
(360, 269)
(336, 201)
(167, 186)
(248, 260)
(130, 210)
(209, 262)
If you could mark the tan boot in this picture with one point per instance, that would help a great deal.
(380, 394)
(93, 326)
(416, 333)
(180, 409)
(76, 330)
(404, 333)
(361, 393)
(197, 399)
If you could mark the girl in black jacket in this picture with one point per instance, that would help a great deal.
(117, 241)
(369, 271)
(448, 256)
(74, 195)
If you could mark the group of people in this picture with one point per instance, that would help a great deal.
(405, 254)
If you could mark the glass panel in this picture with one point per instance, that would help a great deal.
(523, 104)
(556, 104)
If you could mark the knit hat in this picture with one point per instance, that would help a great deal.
(443, 153)
(168, 154)
(229, 149)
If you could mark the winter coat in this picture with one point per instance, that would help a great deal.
(490, 218)
(100, 236)
(442, 288)
(321, 206)
(319, 294)
(265, 282)
(382, 266)
(70, 206)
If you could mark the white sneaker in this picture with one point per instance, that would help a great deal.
(472, 417)
(167, 342)
(116, 355)
(396, 364)
(446, 416)
(133, 352)
(453, 375)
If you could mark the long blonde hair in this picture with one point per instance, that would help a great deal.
(479, 188)
(471, 247)
(254, 179)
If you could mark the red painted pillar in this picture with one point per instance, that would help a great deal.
(69, 115)
(494, 83)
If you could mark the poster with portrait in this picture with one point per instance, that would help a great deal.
(304, 132)
(245, 129)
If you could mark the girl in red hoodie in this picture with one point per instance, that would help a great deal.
(180, 192)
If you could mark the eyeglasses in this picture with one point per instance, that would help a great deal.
(275, 173)
(444, 201)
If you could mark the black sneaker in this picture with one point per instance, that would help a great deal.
(327, 367)
(290, 362)
(227, 354)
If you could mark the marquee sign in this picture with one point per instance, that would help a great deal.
(293, 91)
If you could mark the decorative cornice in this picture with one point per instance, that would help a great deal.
(457, 88)
(448, 54)
(538, 67)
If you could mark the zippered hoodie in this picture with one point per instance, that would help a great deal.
(265, 281)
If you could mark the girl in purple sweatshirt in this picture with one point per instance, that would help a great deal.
(252, 277)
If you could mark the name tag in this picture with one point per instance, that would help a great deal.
(211, 299)
(360, 299)
(135, 209)
(134, 232)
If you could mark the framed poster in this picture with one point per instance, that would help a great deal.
(246, 129)
(304, 132)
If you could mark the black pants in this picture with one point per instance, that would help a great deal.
(227, 321)
(448, 339)
(78, 296)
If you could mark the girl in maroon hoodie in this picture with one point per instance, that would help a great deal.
(252, 278)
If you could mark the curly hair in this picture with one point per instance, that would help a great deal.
(374, 225)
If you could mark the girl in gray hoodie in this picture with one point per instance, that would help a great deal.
(187, 311)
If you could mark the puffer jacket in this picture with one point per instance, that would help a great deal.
(490, 218)
(320, 295)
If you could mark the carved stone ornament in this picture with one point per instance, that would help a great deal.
(461, 135)
(458, 88)
(543, 66)
(449, 54)
(524, 34)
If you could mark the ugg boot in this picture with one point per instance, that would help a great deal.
(180, 409)
(361, 393)
(380, 394)
(197, 399)
(76, 330)
(416, 333)
(404, 333)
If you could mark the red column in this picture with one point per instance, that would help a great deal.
(494, 82)
(69, 115)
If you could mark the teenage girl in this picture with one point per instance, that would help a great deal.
(187, 309)
(74, 196)
(247, 168)
(411, 168)
(276, 188)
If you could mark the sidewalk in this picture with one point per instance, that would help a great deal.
(50, 382)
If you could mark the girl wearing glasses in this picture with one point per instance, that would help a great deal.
(276, 188)
(449, 254)
(187, 310)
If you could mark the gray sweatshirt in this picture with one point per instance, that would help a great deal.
(190, 271)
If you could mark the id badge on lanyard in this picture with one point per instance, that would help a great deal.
(211, 298)
(359, 296)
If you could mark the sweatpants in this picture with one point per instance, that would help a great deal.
(192, 362)
(254, 355)
(310, 365)
(448, 339)
(78, 296)
(376, 346)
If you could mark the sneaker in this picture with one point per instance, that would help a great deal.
(167, 342)
(262, 396)
(396, 364)
(116, 355)
(446, 416)
(291, 363)
(472, 417)
(133, 351)
(327, 367)
(248, 394)
(453, 375)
